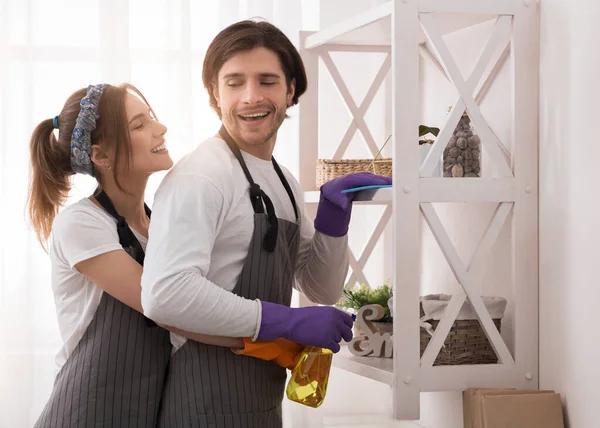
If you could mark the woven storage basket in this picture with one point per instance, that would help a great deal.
(465, 344)
(328, 169)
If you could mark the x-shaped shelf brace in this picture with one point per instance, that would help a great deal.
(358, 266)
(497, 151)
(484, 88)
(468, 281)
(358, 113)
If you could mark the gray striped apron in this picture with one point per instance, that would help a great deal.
(211, 387)
(115, 375)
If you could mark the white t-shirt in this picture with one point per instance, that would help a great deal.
(199, 236)
(79, 232)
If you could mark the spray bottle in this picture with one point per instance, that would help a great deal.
(309, 379)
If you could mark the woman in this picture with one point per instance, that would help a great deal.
(113, 360)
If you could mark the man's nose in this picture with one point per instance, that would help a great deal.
(253, 93)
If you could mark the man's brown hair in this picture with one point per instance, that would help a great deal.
(247, 35)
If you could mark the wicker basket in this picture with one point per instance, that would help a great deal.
(466, 343)
(328, 169)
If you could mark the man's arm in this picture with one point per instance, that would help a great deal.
(122, 281)
(186, 217)
(323, 267)
(322, 264)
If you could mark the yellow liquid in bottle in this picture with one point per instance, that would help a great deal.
(308, 382)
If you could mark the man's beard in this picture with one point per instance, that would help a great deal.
(277, 121)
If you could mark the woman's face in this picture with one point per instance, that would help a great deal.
(148, 150)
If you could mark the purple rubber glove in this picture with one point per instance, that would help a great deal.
(335, 207)
(322, 326)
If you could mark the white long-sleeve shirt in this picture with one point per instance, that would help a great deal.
(199, 236)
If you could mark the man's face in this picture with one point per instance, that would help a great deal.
(253, 97)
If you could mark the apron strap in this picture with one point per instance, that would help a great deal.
(258, 196)
(126, 236)
(288, 189)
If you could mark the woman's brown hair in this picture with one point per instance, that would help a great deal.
(247, 35)
(50, 181)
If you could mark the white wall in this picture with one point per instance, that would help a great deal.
(569, 207)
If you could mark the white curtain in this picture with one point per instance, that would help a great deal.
(48, 49)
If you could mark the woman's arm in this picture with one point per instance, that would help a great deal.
(120, 276)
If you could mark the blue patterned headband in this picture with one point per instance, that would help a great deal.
(81, 138)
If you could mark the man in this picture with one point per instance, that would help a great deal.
(229, 238)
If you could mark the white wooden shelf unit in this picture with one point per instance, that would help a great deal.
(408, 25)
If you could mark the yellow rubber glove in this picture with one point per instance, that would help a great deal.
(282, 351)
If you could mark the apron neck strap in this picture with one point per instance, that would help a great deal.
(288, 189)
(255, 188)
(258, 196)
(126, 236)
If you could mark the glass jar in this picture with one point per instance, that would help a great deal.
(462, 156)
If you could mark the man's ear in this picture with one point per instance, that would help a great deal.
(100, 158)
(291, 93)
(215, 91)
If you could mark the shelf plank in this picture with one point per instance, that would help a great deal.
(436, 378)
(372, 28)
(348, 419)
(356, 22)
(467, 189)
(441, 190)
(461, 377)
(379, 369)
(504, 7)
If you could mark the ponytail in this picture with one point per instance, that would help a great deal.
(50, 179)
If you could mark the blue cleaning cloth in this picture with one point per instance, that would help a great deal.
(375, 186)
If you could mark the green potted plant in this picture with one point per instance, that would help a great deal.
(359, 296)
(425, 141)
(424, 130)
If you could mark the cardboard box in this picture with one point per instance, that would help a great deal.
(522, 411)
(511, 408)
(469, 406)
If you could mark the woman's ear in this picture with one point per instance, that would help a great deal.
(100, 158)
